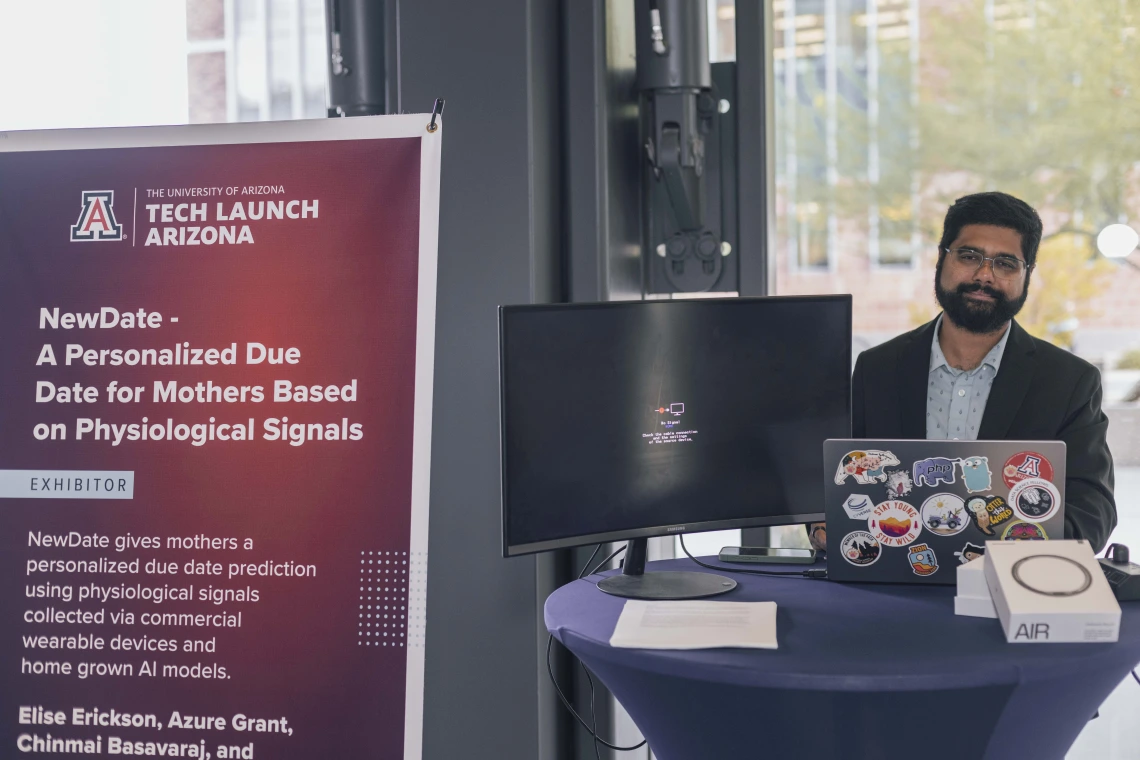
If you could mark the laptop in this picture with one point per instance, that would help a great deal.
(912, 511)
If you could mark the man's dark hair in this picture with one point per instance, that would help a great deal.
(999, 210)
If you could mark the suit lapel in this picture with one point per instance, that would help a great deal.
(913, 378)
(1010, 386)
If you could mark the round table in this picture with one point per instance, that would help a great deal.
(862, 671)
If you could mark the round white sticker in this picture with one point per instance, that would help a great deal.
(894, 523)
(860, 548)
(1035, 499)
(945, 514)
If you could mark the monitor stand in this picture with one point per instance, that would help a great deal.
(635, 583)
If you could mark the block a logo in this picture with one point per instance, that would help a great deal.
(97, 218)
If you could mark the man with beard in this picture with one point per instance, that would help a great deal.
(975, 374)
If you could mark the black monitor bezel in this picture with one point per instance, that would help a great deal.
(657, 530)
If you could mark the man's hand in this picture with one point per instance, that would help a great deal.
(817, 535)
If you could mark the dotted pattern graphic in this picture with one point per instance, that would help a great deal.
(384, 615)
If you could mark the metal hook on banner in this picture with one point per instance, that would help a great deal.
(436, 111)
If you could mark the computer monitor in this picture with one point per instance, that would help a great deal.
(627, 420)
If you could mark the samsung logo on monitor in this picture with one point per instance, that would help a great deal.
(676, 529)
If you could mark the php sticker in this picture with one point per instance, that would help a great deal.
(1035, 499)
(976, 473)
(1025, 465)
(894, 523)
(945, 514)
(860, 548)
(988, 512)
(865, 466)
(970, 552)
(899, 484)
(858, 506)
(922, 560)
(1024, 531)
(931, 472)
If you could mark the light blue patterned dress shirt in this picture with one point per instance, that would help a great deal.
(956, 399)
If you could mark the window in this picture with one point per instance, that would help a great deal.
(136, 62)
(846, 86)
(256, 60)
(888, 110)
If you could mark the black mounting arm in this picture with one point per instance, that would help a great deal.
(674, 76)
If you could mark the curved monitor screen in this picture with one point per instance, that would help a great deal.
(624, 420)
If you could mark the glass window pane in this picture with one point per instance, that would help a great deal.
(707, 544)
(169, 62)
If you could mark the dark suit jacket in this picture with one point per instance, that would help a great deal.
(1041, 392)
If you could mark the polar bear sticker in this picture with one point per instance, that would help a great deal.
(865, 466)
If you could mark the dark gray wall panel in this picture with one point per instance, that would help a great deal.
(495, 63)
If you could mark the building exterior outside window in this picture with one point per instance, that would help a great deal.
(255, 60)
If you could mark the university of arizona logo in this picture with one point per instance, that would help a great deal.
(97, 219)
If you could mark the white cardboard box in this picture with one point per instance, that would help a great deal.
(972, 578)
(974, 606)
(1050, 592)
(973, 597)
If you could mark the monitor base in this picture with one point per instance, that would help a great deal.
(667, 584)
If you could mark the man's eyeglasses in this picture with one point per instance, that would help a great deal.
(1005, 267)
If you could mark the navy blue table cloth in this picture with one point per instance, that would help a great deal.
(862, 671)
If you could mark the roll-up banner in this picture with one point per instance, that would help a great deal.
(216, 359)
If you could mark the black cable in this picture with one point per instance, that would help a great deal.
(798, 574)
(591, 559)
(1136, 676)
(550, 640)
(565, 702)
(601, 564)
(593, 715)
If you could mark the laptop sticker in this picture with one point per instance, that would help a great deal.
(894, 523)
(860, 548)
(865, 466)
(1024, 465)
(970, 552)
(935, 470)
(1035, 499)
(858, 506)
(899, 484)
(1024, 531)
(976, 473)
(988, 512)
(945, 514)
(922, 560)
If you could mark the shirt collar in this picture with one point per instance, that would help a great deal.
(993, 358)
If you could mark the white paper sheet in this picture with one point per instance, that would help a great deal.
(695, 625)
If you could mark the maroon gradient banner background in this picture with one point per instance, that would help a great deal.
(341, 288)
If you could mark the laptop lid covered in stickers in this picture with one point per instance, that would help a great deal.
(911, 511)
